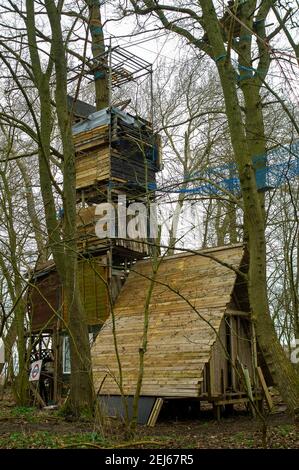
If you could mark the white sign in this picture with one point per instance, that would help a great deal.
(2, 354)
(35, 371)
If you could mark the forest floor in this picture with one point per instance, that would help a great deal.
(33, 428)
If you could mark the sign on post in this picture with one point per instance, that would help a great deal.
(35, 371)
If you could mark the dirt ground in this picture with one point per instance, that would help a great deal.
(33, 428)
(41, 430)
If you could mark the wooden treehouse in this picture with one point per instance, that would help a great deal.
(117, 154)
(103, 262)
(200, 338)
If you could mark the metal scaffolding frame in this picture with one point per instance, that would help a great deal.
(124, 66)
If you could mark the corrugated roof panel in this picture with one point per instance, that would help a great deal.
(103, 117)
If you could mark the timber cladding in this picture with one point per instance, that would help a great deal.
(92, 277)
(46, 301)
(100, 165)
(127, 160)
(92, 167)
(187, 306)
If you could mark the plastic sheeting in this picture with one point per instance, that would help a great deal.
(271, 171)
(102, 118)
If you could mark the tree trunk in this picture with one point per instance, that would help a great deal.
(174, 224)
(282, 371)
(81, 400)
(33, 215)
(21, 385)
(98, 48)
(232, 222)
(14, 284)
(63, 247)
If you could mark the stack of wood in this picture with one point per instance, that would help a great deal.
(123, 153)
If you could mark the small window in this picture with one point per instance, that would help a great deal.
(66, 356)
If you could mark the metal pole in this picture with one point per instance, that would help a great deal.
(110, 75)
(109, 196)
(152, 97)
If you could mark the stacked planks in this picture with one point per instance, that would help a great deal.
(123, 161)
(91, 138)
(92, 167)
(180, 339)
(92, 156)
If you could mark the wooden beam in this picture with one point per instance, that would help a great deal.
(265, 388)
(239, 313)
(155, 412)
(217, 411)
(36, 394)
(233, 401)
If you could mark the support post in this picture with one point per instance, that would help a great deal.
(217, 411)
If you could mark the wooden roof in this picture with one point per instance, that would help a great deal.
(180, 339)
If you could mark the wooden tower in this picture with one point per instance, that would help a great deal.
(117, 154)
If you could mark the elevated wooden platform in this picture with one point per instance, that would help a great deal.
(89, 242)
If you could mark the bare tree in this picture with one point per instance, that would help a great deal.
(41, 65)
(240, 36)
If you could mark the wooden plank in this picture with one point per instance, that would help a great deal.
(249, 388)
(238, 313)
(210, 385)
(155, 412)
(233, 401)
(37, 396)
(234, 350)
(265, 388)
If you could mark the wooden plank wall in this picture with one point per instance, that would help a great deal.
(99, 165)
(92, 167)
(132, 168)
(49, 295)
(218, 370)
(96, 162)
(244, 344)
(179, 339)
(218, 364)
(92, 138)
(92, 274)
(44, 301)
